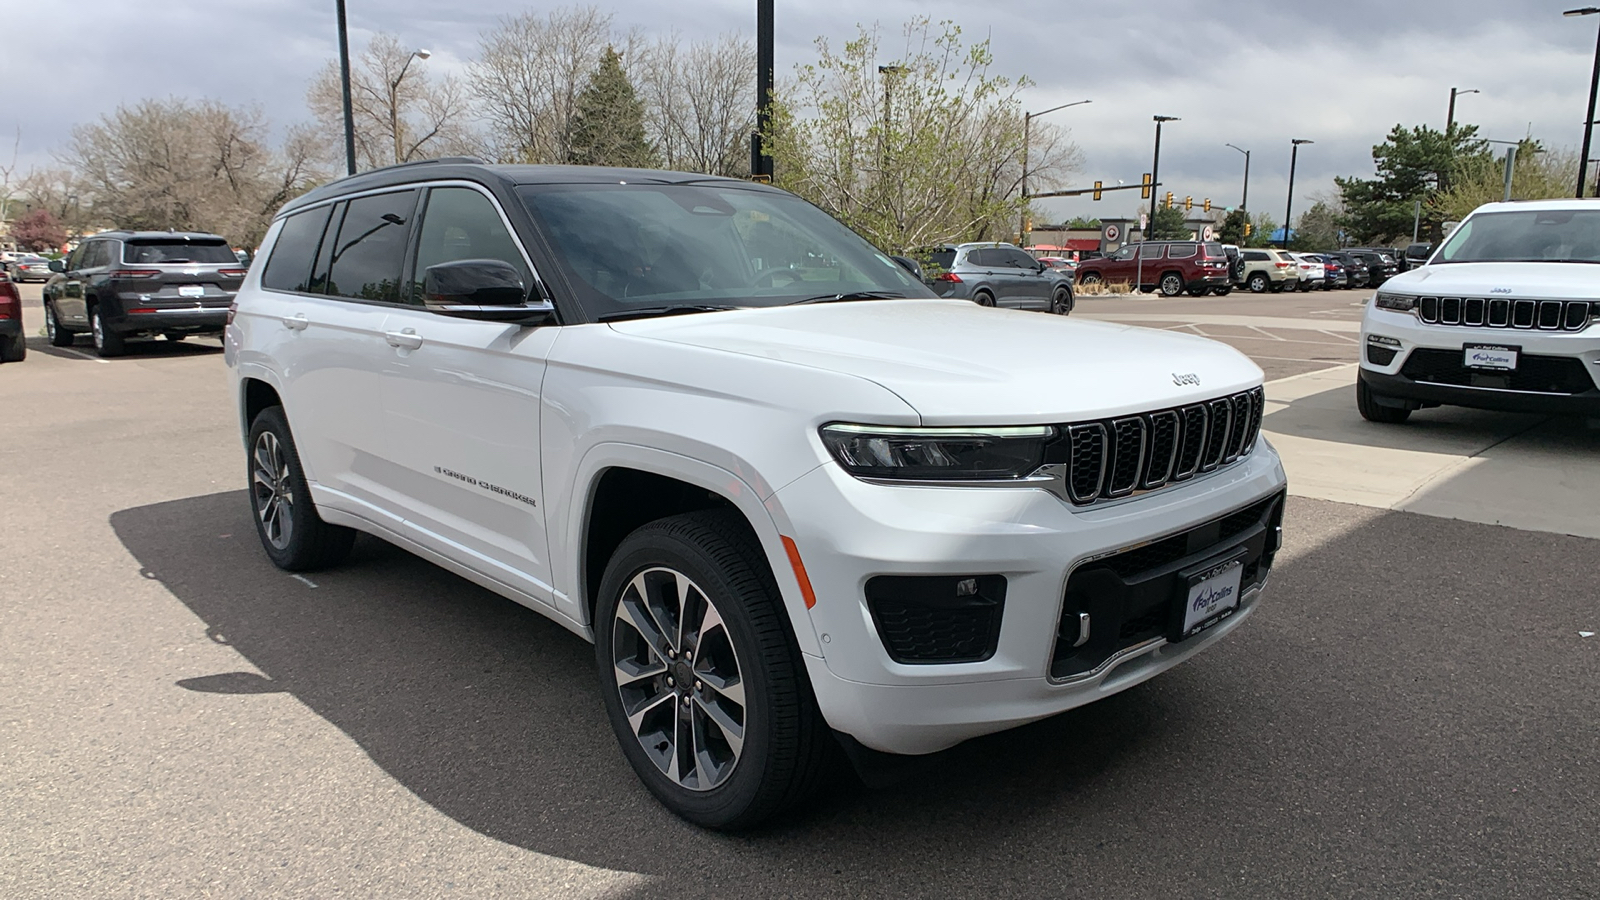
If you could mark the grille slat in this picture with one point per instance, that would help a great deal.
(1115, 458)
(1500, 312)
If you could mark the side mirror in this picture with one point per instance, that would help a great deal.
(58, 265)
(485, 290)
(910, 265)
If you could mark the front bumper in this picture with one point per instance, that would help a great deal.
(850, 531)
(1558, 372)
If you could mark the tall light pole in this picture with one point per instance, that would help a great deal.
(344, 84)
(1155, 174)
(394, 101)
(1450, 117)
(1027, 134)
(1288, 207)
(1244, 200)
(1594, 85)
(760, 159)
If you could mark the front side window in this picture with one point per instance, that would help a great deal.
(370, 248)
(1021, 259)
(648, 246)
(461, 223)
(1125, 252)
(289, 267)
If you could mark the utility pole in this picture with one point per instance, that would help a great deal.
(760, 160)
(1450, 118)
(1155, 173)
(1588, 120)
(1289, 205)
(1027, 138)
(1244, 200)
(344, 83)
(394, 102)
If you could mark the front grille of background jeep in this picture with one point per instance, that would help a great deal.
(1504, 312)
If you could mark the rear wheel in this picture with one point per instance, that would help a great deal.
(294, 536)
(1089, 278)
(1171, 284)
(701, 679)
(1061, 302)
(58, 336)
(1222, 291)
(1198, 290)
(13, 348)
(106, 342)
(983, 298)
(1258, 283)
(1371, 410)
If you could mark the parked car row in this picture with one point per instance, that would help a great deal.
(1201, 267)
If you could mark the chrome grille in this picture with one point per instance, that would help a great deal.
(1119, 457)
(1504, 312)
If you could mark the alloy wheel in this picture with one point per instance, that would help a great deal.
(679, 678)
(50, 324)
(271, 490)
(94, 328)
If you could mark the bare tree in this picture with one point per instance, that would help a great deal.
(59, 190)
(7, 188)
(528, 75)
(401, 113)
(178, 164)
(699, 102)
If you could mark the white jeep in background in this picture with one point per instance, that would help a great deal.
(798, 502)
(1501, 317)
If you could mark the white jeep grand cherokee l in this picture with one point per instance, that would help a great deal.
(797, 502)
(1499, 318)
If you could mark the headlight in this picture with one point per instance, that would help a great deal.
(938, 454)
(1397, 302)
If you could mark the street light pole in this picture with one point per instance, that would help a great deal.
(1450, 118)
(1588, 120)
(344, 84)
(1288, 207)
(1027, 135)
(760, 159)
(394, 101)
(1155, 175)
(1244, 201)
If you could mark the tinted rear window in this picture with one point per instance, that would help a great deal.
(166, 250)
(942, 259)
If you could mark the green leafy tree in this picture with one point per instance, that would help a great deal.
(1539, 174)
(1168, 225)
(1261, 228)
(1412, 165)
(1232, 231)
(608, 122)
(1318, 228)
(1083, 223)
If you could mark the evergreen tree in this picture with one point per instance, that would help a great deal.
(1233, 227)
(608, 123)
(1413, 164)
(1168, 225)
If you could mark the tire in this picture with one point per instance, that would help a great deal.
(1372, 411)
(1277, 288)
(58, 336)
(13, 349)
(1061, 302)
(1222, 291)
(174, 336)
(1171, 284)
(783, 741)
(1089, 278)
(1198, 290)
(106, 343)
(1303, 287)
(1258, 283)
(983, 298)
(294, 536)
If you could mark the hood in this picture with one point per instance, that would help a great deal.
(957, 363)
(1512, 280)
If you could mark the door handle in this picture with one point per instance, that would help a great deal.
(296, 322)
(405, 340)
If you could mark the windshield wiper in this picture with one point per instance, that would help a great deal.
(852, 295)
(652, 311)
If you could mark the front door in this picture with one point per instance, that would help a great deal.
(461, 403)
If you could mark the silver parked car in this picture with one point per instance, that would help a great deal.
(28, 268)
(998, 274)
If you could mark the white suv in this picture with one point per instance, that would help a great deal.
(1501, 317)
(798, 503)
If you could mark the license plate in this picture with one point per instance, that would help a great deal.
(1497, 357)
(192, 290)
(1213, 595)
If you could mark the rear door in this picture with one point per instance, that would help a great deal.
(1031, 287)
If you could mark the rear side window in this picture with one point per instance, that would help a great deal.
(984, 257)
(1255, 256)
(1181, 251)
(371, 247)
(168, 250)
(289, 267)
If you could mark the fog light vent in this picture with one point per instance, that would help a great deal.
(926, 619)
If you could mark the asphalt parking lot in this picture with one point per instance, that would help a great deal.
(1411, 713)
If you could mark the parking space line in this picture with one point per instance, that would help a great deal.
(84, 355)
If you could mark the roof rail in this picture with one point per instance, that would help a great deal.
(443, 160)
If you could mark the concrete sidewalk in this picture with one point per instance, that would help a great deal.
(1532, 472)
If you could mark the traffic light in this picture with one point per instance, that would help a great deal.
(1247, 229)
(1188, 204)
(1169, 199)
(1144, 190)
(1097, 190)
(1207, 205)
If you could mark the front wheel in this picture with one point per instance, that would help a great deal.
(1061, 302)
(58, 336)
(702, 682)
(293, 534)
(1371, 410)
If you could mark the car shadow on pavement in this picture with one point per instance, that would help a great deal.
(83, 350)
(1316, 746)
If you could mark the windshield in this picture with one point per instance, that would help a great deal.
(1547, 235)
(636, 247)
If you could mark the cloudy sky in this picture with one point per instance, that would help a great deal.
(1255, 73)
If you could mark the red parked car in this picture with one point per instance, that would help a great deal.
(12, 346)
(1174, 267)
